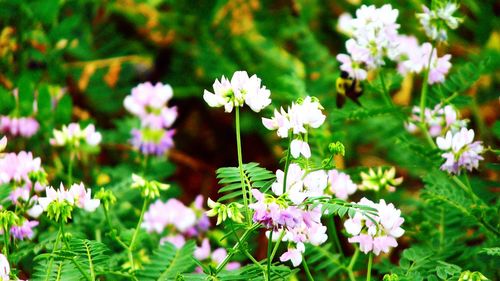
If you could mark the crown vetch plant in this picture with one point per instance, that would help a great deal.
(107, 176)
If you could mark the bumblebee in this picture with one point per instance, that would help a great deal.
(348, 86)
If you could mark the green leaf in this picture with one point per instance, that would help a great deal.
(168, 262)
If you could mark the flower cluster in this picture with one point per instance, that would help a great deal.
(241, 90)
(375, 233)
(161, 215)
(300, 224)
(381, 179)
(60, 203)
(304, 114)
(74, 136)
(374, 31)
(149, 103)
(439, 120)
(25, 176)
(299, 184)
(435, 21)
(461, 151)
(374, 37)
(22, 126)
(417, 58)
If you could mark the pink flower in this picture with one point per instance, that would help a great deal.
(17, 167)
(341, 184)
(177, 240)
(161, 214)
(294, 255)
(82, 198)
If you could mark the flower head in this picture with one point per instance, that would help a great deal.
(435, 21)
(241, 90)
(74, 136)
(460, 151)
(382, 179)
(375, 233)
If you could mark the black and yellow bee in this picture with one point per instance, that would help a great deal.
(348, 86)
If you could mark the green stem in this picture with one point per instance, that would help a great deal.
(369, 270)
(333, 234)
(79, 267)
(353, 259)
(6, 241)
(306, 269)
(51, 260)
(385, 93)
(136, 232)
(230, 253)
(63, 234)
(423, 95)
(240, 166)
(276, 246)
(287, 162)
(269, 246)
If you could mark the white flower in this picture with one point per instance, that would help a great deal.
(73, 135)
(4, 268)
(279, 122)
(298, 147)
(241, 89)
(315, 183)
(434, 22)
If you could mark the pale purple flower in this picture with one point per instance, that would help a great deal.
(341, 184)
(23, 231)
(149, 103)
(439, 120)
(461, 151)
(152, 141)
(202, 252)
(378, 235)
(20, 194)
